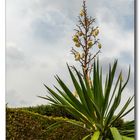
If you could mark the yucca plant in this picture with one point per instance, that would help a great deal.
(95, 104)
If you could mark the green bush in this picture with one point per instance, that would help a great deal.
(26, 125)
(50, 110)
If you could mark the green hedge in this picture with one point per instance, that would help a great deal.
(56, 111)
(50, 110)
(26, 125)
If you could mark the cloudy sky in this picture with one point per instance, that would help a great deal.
(39, 40)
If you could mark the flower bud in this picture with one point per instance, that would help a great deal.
(77, 45)
(99, 45)
(90, 44)
(82, 13)
(95, 32)
(80, 33)
(77, 56)
(75, 38)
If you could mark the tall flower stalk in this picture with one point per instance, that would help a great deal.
(85, 40)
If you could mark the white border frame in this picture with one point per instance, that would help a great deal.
(2, 69)
(137, 4)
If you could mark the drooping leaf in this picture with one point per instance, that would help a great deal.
(115, 133)
(95, 135)
(127, 138)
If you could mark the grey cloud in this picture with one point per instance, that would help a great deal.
(14, 53)
(13, 98)
(127, 57)
(117, 11)
(47, 31)
(114, 11)
(15, 58)
(49, 25)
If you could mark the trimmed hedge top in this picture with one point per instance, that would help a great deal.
(50, 110)
(25, 125)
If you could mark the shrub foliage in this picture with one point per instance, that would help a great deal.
(50, 110)
(26, 125)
